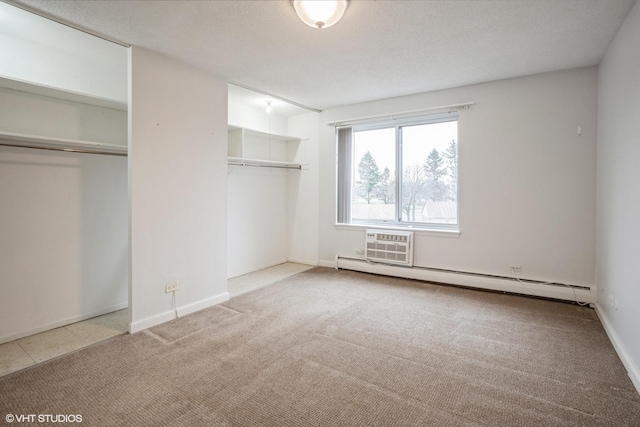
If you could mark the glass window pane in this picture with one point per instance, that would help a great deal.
(374, 168)
(430, 173)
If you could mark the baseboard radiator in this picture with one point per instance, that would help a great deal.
(560, 291)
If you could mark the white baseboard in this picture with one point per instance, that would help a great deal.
(151, 321)
(63, 322)
(468, 280)
(303, 261)
(627, 361)
(257, 268)
(325, 263)
(183, 310)
(201, 305)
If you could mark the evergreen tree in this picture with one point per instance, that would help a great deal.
(433, 166)
(369, 176)
(451, 156)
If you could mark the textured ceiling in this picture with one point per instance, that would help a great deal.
(380, 49)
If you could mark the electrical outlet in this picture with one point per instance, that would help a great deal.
(171, 287)
(515, 268)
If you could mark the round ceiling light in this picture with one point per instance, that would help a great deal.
(320, 13)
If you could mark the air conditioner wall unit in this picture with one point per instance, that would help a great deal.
(389, 247)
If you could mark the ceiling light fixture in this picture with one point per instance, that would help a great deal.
(320, 13)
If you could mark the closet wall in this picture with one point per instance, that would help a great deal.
(63, 221)
(177, 153)
(27, 113)
(63, 251)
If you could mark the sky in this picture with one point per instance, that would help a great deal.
(417, 142)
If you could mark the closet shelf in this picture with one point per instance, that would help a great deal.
(68, 95)
(12, 139)
(247, 147)
(240, 161)
(265, 134)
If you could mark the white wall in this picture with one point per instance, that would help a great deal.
(618, 225)
(303, 191)
(177, 187)
(63, 244)
(257, 202)
(527, 179)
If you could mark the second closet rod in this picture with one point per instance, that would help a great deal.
(68, 150)
(259, 165)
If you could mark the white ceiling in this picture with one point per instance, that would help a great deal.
(380, 49)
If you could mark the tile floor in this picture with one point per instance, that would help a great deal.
(258, 279)
(28, 351)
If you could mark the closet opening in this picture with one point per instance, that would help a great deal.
(64, 260)
(271, 178)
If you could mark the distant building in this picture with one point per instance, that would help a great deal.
(444, 212)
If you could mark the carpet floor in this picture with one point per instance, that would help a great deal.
(339, 348)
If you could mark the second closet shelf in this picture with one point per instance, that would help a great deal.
(265, 135)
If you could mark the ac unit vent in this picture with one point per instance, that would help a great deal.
(389, 247)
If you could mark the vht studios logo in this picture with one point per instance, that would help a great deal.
(43, 418)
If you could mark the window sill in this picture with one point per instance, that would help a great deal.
(453, 234)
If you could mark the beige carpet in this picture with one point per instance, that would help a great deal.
(340, 348)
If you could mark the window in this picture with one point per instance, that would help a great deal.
(399, 173)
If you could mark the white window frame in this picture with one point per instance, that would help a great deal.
(344, 153)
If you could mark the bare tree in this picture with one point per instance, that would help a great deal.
(385, 190)
(413, 190)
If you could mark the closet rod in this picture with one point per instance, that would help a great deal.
(68, 150)
(257, 165)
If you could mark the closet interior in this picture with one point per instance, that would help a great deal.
(270, 146)
(63, 175)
